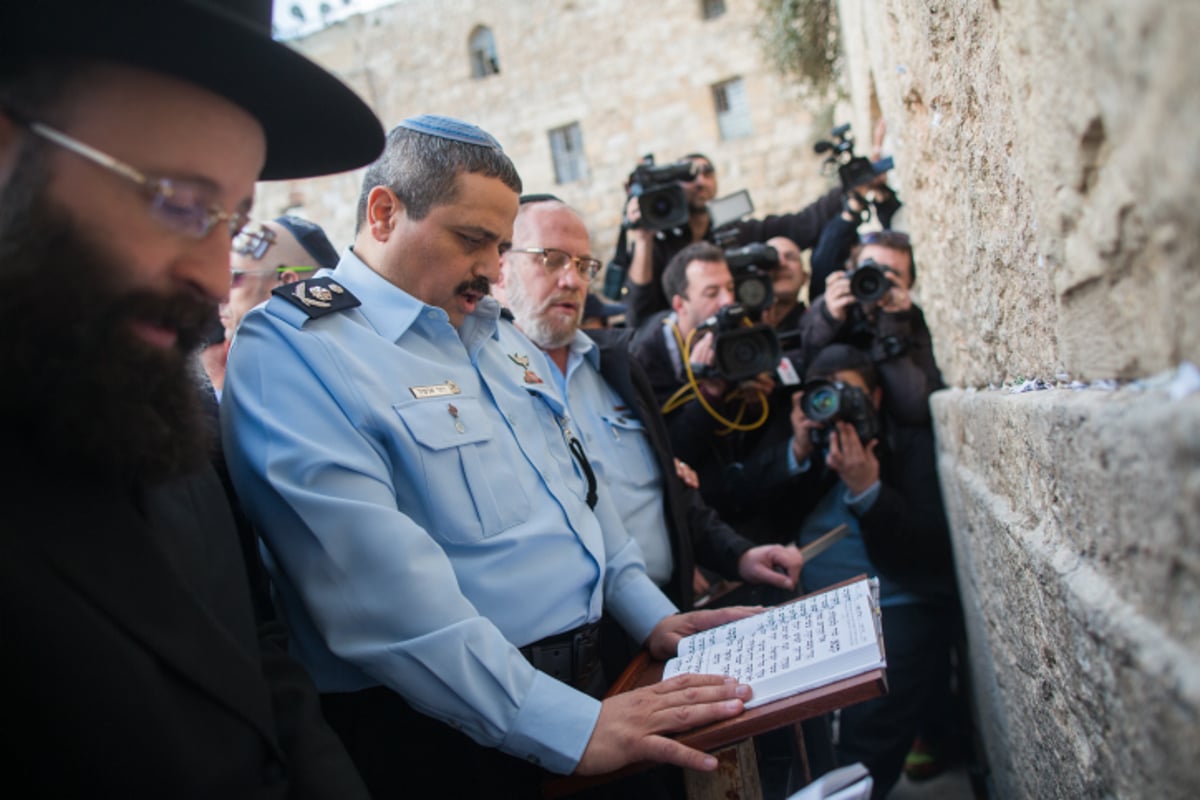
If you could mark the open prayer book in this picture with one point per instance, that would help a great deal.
(802, 672)
(791, 648)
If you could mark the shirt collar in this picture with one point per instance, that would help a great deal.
(391, 311)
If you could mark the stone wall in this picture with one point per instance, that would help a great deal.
(1047, 152)
(637, 77)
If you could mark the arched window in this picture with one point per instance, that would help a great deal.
(484, 61)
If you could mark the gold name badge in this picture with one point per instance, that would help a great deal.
(437, 390)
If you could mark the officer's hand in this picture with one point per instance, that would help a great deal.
(700, 584)
(631, 724)
(802, 428)
(854, 463)
(773, 564)
(838, 296)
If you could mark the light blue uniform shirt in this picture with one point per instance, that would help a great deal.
(417, 535)
(616, 443)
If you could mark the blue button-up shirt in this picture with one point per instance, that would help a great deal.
(621, 453)
(421, 512)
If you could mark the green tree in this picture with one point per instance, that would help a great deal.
(801, 39)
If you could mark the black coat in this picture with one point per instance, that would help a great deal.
(697, 533)
(133, 660)
(744, 476)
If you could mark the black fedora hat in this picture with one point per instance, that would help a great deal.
(314, 123)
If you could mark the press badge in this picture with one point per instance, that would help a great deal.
(787, 372)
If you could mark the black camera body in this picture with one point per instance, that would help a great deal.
(853, 170)
(828, 401)
(741, 351)
(751, 267)
(869, 281)
(660, 197)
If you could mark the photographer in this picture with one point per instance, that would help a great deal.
(840, 234)
(869, 307)
(788, 279)
(723, 427)
(880, 479)
(648, 252)
(866, 186)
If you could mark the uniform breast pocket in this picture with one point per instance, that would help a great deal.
(627, 439)
(466, 478)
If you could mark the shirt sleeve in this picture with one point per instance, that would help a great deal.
(379, 591)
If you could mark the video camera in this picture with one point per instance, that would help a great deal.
(853, 170)
(751, 267)
(868, 281)
(827, 402)
(741, 350)
(660, 197)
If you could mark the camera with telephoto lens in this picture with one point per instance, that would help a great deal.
(852, 170)
(740, 350)
(869, 281)
(828, 401)
(660, 197)
(751, 267)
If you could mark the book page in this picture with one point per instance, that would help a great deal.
(792, 647)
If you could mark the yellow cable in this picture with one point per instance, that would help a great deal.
(682, 396)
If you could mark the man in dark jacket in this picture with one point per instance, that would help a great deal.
(131, 137)
(890, 327)
(880, 479)
(650, 251)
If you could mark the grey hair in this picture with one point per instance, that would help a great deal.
(421, 170)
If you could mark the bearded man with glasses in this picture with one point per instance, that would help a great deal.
(131, 137)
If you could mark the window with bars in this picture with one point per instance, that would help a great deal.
(733, 110)
(566, 148)
(711, 9)
(482, 48)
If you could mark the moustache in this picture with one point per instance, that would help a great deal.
(479, 284)
(189, 315)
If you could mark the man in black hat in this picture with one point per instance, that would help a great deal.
(131, 137)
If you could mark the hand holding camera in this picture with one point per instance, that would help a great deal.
(841, 417)
(855, 463)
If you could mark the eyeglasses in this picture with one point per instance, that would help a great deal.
(554, 260)
(182, 206)
(238, 276)
(701, 169)
(253, 243)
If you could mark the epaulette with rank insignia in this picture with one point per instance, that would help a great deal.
(317, 296)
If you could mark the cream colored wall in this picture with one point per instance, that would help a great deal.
(1048, 154)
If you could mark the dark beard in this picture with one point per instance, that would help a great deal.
(85, 395)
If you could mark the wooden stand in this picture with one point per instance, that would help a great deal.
(735, 734)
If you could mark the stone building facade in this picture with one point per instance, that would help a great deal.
(1046, 150)
(636, 78)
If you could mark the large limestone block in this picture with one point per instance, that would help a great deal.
(1076, 517)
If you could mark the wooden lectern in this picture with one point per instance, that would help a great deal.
(731, 740)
